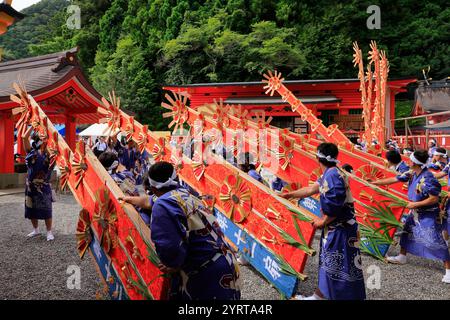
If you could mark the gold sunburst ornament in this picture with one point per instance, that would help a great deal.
(79, 165)
(221, 114)
(178, 109)
(272, 81)
(65, 167)
(112, 112)
(142, 139)
(53, 147)
(83, 234)
(24, 109)
(236, 198)
(158, 151)
(105, 216)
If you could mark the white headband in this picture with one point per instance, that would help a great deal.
(168, 183)
(414, 160)
(436, 153)
(328, 158)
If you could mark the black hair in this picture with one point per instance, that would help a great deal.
(421, 155)
(146, 184)
(393, 157)
(347, 168)
(248, 162)
(161, 171)
(328, 149)
(441, 150)
(107, 159)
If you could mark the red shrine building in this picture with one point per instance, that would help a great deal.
(57, 83)
(333, 100)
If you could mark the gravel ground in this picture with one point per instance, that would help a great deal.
(36, 269)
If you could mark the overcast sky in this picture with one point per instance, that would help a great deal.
(22, 4)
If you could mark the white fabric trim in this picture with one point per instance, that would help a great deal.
(168, 183)
(328, 158)
(436, 153)
(414, 160)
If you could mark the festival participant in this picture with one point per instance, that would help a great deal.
(395, 161)
(347, 168)
(129, 156)
(340, 273)
(188, 240)
(123, 178)
(248, 167)
(423, 237)
(38, 191)
(100, 146)
(431, 148)
(439, 159)
(278, 184)
(138, 171)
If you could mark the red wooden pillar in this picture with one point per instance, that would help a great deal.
(6, 143)
(392, 110)
(71, 132)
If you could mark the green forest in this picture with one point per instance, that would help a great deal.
(137, 46)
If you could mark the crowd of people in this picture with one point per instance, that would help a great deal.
(191, 246)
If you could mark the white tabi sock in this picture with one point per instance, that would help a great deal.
(447, 272)
(35, 232)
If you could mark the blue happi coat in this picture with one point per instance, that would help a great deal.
(422, 236)
(340, 270)
(127, 183)
(445, 224)
(128, 158)
(188, 238)
(438, 165)
(402, 167)
(38, 192)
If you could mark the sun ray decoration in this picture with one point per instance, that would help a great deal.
(158, 151)
(273, 82)
(198, 165)
(79, 165)
(112, 112)
(365, 102)
(65, 167)
(24, 109)
(260, 119)
(285, 151)
(105, 216)
(142, 139)
(369, 173)
(176, 158)
(129, 129)
(35, 118)
(83, 233)
(42, 129)
(236, 198)
(178, 109)
(53, 147)
(221, 114)
(242, 115)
